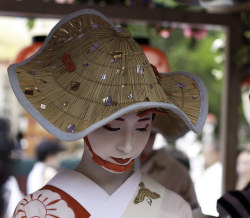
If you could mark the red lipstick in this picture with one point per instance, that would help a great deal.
(121, 160)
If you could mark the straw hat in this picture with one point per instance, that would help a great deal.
(89, 72)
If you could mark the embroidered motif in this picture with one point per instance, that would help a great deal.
(145, 194)
(44, 203)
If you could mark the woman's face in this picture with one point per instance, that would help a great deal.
(123, 139)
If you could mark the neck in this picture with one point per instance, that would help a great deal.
(107, 180)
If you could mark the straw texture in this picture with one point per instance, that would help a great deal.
(89, 70)
(186, 96)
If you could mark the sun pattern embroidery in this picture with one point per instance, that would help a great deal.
(43, 204)
(143, 193)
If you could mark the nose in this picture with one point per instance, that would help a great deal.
(125, 145)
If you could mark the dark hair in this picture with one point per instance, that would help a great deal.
(6, 145)
(48, 147)
(181, 157)
(153, 117)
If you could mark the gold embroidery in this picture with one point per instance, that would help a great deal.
(145, 193)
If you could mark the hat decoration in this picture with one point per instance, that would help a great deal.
(89, 72)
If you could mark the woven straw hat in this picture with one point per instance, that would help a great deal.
(89, 72)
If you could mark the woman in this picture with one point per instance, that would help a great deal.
(91, 80)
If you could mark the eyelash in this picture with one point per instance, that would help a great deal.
(110, 128)
(142, 129)
(116, 129)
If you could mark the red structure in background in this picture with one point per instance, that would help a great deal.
(157, 58)
(246, 80)
(31, 49)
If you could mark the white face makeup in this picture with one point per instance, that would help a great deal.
(123, 139)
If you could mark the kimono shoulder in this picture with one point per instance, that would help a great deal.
(174, 206)
(152, 200)
(49, 202)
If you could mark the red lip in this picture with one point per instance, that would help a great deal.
(120, 160)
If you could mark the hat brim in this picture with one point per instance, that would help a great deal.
(174, 127)
(184, 125)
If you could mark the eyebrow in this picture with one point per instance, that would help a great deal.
(144, 119)
(120, 119)
(141, 120)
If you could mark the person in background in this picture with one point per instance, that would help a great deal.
(165, 169)
(48, 155)
(10, 191)
(243, 167)
(208, 186)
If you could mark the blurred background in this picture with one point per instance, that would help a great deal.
(209, 38)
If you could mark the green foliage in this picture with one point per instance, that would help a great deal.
(166, 3)
(31, 23)
(197, 58)
(189, 55)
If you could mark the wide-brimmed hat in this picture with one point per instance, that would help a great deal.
(89, 72)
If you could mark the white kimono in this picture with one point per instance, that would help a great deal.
(71, 194)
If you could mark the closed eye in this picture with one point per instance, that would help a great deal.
(143, 129)
(110, 128)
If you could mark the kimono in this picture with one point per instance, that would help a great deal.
(72, 194)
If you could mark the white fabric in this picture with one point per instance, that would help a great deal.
(12, 194)
(92, 197)
(208, 188)
(35, 178)
(115, 205)
(174, 206)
